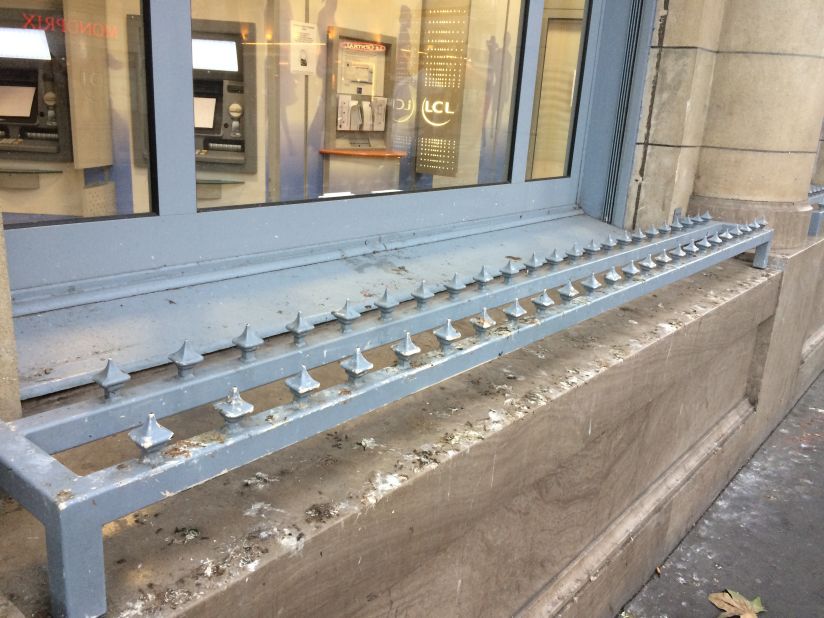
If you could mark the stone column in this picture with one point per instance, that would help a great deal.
(9, 387)
(764, 118)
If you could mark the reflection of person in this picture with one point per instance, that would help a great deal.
(403, 102)
(495, 140)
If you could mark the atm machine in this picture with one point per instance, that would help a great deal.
(35, 124)
(225, 105)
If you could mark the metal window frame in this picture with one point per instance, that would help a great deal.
(72, 263)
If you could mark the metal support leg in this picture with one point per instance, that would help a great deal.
(75, 562)
(762, 254)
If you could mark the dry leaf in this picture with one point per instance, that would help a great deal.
(736, 604)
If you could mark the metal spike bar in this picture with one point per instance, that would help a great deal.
(483, 323)
(422, 294)
(630, 270)
(663, 258)
(707, 217)
(568, 292)
(725, 235)
(346, 315)
(542, 303)
(234, 407)
(704, 243)
(624, 238)
(691, 248)
(247, 342)
(404, 350)
(151, 437)
(612, 277)
(687, 222)
(734, 231)
(609, 243)
(483, 277)
(593, 247)
(638, 235)
(533, 264)
(647, 263)
(509, 271)
(715, 239)
(556, 258)
(665, 228)
(356, 366)
(652, 231)
(386, 305)
(678, 253)
(590, 284)
(446, 335)
(299, 327)
(185, 359)
(514, 312)
(454, 286)
(574, 253)
(301, 384)
(111, 379)
(676, 224)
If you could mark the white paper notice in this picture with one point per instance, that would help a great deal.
(303, 47)
(16, 101)
(205, 112)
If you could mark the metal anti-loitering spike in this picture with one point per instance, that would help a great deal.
(356, 366)
(346, 315)
(663, 258)
(514, 312)
(543, 302)
(455, 286)
(446, 335)
(386, 304)
(509, 271)
(590, 284)
(299, 327)
(725, 235)
(630, 270)
(404, 350)
(624, 238)
(676, 224)
(665, 228)
(652, 231)
(745, 228)
(638, 235)
(612, 277)
(715, 239)
(484, 277)
(704, 243)
(574, 253)
(556, 258)
(185, 359)
(697, 220)
(151, 437)
(678, 253)
(483, 323)
(691, 248)
(761, 221)
(247, 342)
(111, 379)
(533, 264)
(301, 384)
(234, 407)
(422, 294)
(687, 222)
(755, 225)
(568, 292)
(593, 247)
(734, 231)
(647, 263)
(707, 217)
(609, 243)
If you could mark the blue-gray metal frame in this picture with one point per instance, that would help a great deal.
(588, 279)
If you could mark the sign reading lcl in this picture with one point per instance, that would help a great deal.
(436, 108)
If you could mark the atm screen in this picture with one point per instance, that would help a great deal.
(214, 55)
(16, 101)
(24, 44)
(205, 112)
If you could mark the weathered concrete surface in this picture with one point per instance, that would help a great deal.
(762, 536)
(466, 499)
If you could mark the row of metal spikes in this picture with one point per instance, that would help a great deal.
(151, 437)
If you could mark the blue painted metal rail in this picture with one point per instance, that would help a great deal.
(539, 297)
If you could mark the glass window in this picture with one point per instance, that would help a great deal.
(557, 88)
(304, 100)
(66, 121)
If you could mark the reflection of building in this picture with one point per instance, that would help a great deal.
(508, 482)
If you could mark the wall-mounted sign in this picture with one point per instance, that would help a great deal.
(303, 48)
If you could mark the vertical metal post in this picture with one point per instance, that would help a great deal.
(762, 254)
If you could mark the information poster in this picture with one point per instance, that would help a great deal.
(303, 48)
